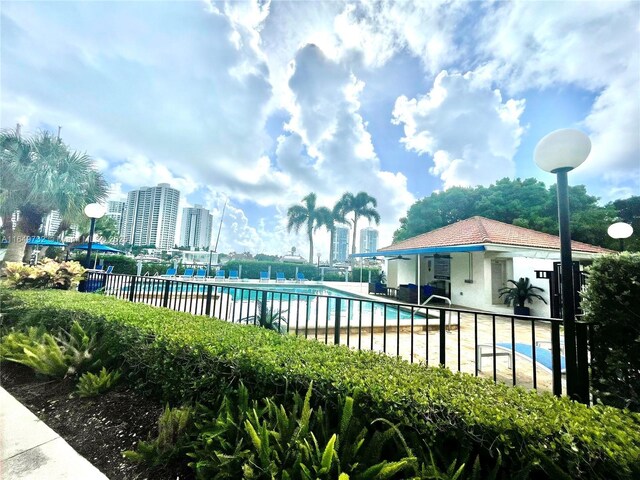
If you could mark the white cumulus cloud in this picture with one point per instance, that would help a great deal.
(465, 125)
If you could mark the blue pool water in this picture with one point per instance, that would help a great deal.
(282, 295)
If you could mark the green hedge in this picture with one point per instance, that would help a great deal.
(612, 306)
(184, 358)
(252, 269)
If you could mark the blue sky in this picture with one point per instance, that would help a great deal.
(263, 102)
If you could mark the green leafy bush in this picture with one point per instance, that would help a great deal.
(171, 443)
(272, 320)
(48, 274)
(90, 385)
(59, 357)
(185, 358)
(611, 306)
(37, 350)
(246, 439)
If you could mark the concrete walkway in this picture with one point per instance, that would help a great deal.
(32, 451)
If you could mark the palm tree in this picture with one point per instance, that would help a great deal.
(361, 205)
(41, 174)
(307, 215)
(329, 219)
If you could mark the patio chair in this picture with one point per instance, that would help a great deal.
(109, 269)
(280, 277)
(300, 277)
(233, 275)
(201, 274)
(171, 272)
(264, 276)
(220, 275)
(188, 273)
(523, 350)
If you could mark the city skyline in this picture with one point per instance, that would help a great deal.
(260, 103)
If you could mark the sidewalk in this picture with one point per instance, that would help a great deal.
(32, 451)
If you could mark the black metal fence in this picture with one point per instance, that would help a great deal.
(525, 351)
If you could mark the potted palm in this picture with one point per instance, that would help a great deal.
(520, 293)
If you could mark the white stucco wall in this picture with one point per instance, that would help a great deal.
(478, 294)
(392, 274)
(469, 294)
(407, 270)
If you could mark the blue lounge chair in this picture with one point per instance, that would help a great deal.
(201, 274)
(188, 273)
(109, 269)
(300, 277)
(280, 277)
(233, 275)
(220, 275)
(523, 350)
(171, 272)
(264, 276)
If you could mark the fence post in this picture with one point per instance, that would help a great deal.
(263, 306)
(582, 339)
(336, 323)
(443, 337)
(209, 295)
(165, 295)
(555, 358)
(132, 288)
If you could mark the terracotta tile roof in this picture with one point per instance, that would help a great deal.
(480, 230)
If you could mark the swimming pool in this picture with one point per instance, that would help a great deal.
(299, 300)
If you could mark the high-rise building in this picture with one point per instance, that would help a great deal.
(116, 210)
(151, 215)
(51, 224)
(195, 231)
(368, 240)
(341, 244)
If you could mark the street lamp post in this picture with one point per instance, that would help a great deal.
(560, 152)
(93, 211)
(620, 230)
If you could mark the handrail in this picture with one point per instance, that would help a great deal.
(448, 301)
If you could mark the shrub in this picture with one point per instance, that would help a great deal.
(37, 350)
(186, 358)
(171, 442)
(244, 439)
(55, 356)
(252, 269)
(90, 385)
(611, 306)
(48, 274)
(273, 320)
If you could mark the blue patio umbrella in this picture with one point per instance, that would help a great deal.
(96, 247)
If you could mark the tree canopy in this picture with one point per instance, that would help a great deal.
(361, 205)
(527, 203)
(307, 215)
(40, 174)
